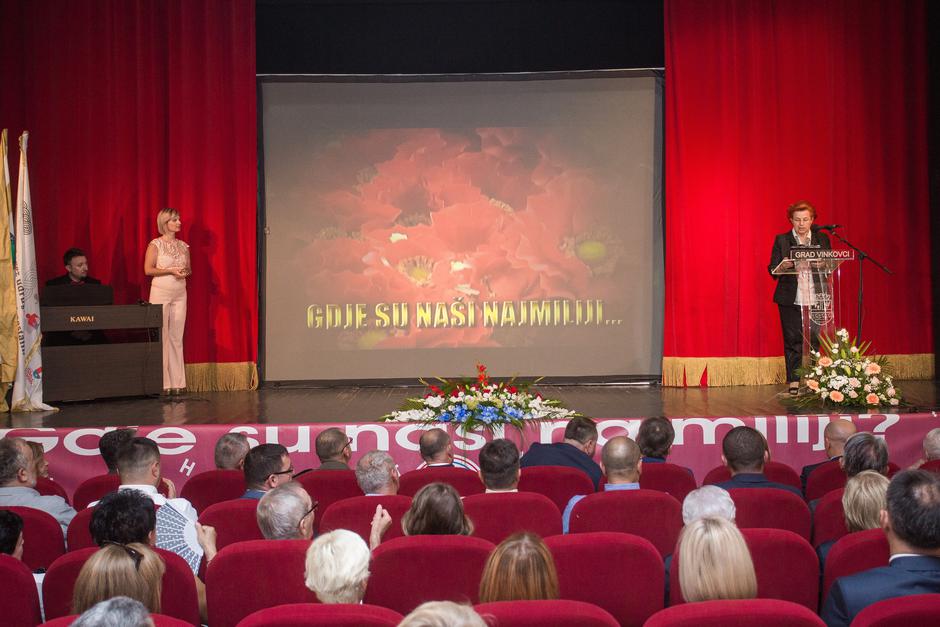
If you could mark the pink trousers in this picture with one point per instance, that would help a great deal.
(173, 298)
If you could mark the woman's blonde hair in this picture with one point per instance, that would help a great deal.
(864, 497)
(164, 216)
(131, 570)
(337, 567)
(714, 562)
(521, 568)
(436, 510)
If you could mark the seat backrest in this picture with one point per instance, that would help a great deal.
(786, 566)
(740, 613)
(234, 521)
(497, 516)
(829, 518)
(178, 596)
(43, 541)
(541, 613)
(79, 534)
(771, 508)
(825, 478)
(328, 486)
(336, 615)
(558, 483)
(917, 609)
(466, 482)
(646, 513)
(619, 572)
(48, 487)
(249, 576)
(777, 472)
(417, 561)
(355, 514)
(213, 486)
(853, 553)
(933, 465)
(672, 479)
(19, 600)
(92, 489)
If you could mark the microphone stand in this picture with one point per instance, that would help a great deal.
(862, 256)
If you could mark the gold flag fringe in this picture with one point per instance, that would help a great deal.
(723, 371)
(222, 376)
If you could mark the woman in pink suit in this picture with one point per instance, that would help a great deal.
(167, 261)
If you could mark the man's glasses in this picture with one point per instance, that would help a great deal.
(316, 504)
(348, 443)
(289, 471)
(136, 555)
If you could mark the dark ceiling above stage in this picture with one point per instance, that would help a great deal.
(450, 36)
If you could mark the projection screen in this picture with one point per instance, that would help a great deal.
(415, 229)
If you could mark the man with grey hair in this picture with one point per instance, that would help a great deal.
(864, 451)
(932, 445)
(709, 501)
(436, 448)
(377, 474)
(230, 451)
(286, 513)
(115, 612)
(834, 437)
(334, 448)
(18, 483)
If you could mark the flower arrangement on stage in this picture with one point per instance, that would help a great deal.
(842, 374)
(479, 403)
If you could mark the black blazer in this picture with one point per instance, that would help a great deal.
(785, 294)
(65, 280)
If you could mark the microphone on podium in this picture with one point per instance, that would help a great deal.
(824, 227)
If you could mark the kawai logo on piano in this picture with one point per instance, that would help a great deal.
(81, 318)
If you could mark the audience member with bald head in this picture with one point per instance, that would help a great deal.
(834, 438)
(436, 448)
(621, 462)
(334, 448)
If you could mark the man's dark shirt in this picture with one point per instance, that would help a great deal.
(562, 454)
(65, 279)
(333, 465)
(756, 480)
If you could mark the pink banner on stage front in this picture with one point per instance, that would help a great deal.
(188, 450)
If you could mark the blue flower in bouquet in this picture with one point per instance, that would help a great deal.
(489, 414)
(445, 417)
(514, 413)
(461, 413)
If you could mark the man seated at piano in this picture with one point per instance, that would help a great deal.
(76, 270)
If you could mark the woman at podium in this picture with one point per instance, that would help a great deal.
(790, 292)
(167, 261)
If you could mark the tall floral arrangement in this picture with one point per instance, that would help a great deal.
(474, 403)
(843, 374)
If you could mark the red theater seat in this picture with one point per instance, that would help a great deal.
(328, 486)
(917, 609)
(213, 486)
(672, 479)
(336, 615)
(43, 541)
(854, 553)
(234, 521)
(743, 613)
(408, 571)
(178, 597)
(933, 465)
(559, 483)
(786, 566)
(19, 601)
(466, 482)
(829, 518)
(771, 508)
(79, 535)
(48, 487)
(645, 513)
(355, 514)
(497, 516)
(774, 471)
(619, 572)
(159, 620)
(542, 613)
(250, 576)
(824, 479)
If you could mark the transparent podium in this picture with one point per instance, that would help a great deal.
(816, 293)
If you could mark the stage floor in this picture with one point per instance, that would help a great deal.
(365, 404)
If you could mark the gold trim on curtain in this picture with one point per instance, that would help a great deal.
(222, 376)
(722, 371)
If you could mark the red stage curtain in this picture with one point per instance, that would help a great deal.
(770, 102)
(133, 106)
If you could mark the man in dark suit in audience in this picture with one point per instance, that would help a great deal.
(499, 466)
(575, 451)
(834, 438)
(912, 524)
(744, 452)
(436, 448)
(864, 451)
(266, 467)
(334, 448)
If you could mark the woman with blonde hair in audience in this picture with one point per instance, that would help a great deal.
(714, 562)
(521, 568)
(442, 614)
(40, 465)
(436, 510)
(864, 497)
(337, 567)
(131, 570)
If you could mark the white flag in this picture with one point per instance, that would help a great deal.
(27, 389)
